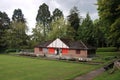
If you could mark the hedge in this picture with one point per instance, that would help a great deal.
(107, 49)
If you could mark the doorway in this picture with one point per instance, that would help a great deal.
(58, 51)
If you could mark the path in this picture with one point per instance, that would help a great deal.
(91, 75)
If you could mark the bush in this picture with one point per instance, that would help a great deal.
(12, 50)
(107, 49)
(109, 58)
(27, 50)
(2, 50)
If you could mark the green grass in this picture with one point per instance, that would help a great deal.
(104, 54)
(107, 57)
(24, 68)
(108, 76)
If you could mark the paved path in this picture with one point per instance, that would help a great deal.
(91, 75)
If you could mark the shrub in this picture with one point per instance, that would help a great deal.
(107, 49)
(27, 50)
(12, 50)
(2, 50)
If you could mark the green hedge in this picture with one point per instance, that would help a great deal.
(2, 50)
(27, 50)
(107, 49)
(12, 50)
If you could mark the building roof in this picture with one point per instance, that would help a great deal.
(44, 44)
(72, 44)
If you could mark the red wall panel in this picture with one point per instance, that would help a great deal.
(64, 51)
(51, 50)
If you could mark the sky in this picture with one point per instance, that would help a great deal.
(30, 8)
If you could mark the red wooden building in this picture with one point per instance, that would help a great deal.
(65, 48)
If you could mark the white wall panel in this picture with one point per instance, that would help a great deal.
(58, 44)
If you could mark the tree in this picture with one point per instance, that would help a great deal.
(60, 29)
(115, 33)
(74, 20)
(17, 37)
(38, 34)
(18, 16)
(57, 14)
(44, 17)
(86, 32)
(4, 25)
(109, 11)
(100, 33)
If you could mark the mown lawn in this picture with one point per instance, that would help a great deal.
(24, 68)
(107, 76)
(105, 54)
(106, 57)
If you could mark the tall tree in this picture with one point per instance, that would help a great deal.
(100, 33)
(44, 17)
(74, 19)
(4, 25)
(85, 31)
(38, 34)
(115, 33)
(57, 14)
(60, 30)
(18, 37)
(109, 11)
(18, 16)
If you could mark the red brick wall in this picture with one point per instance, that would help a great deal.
(83, 53)
(72, 53)
(37, 50)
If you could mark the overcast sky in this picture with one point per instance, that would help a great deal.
(30, 8)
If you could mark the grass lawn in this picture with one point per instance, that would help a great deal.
(24, 68)
(106, 57)
(105, 54)
(108, 76)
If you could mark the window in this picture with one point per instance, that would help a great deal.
(77, 51)
(40, 49)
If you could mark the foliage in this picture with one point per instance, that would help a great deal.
(16, 36)
(11, 50)
(115, 33)
(4, 25)
(74, 19)
(57, 14)
(21, 68)
(60, 29)
(107, 49)
(101, 32)
(38, 34)
(86, 31)
(18, 16)
(44, 18)
(109, 11)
